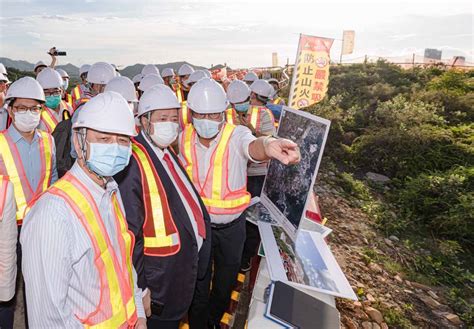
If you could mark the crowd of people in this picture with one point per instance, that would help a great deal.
(121, 202)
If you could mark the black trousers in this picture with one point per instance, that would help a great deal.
(155, 323)
(198, 315)
(227, 246)
(7, 312)
(254, 186)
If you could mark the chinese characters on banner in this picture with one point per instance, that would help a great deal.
(311, 73)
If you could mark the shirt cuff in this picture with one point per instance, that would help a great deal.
(247, 152)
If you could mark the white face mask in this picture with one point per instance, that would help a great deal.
(27, 121)
(207, 128)
(164, 133)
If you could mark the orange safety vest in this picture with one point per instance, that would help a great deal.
(68, 108)
(231, 116)
(255, 116)
(76, 93)
(184, 117)
(116, 307)
(48, 119)
(215, 192)
(24, 193)
(69, 99)
(161, 237)
(3, 193)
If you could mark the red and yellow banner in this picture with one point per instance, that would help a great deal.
(311, 73)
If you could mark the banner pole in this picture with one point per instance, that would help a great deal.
(293, 76)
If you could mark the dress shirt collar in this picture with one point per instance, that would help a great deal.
(16, 136)
(95, 189)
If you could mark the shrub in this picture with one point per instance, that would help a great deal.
(406, 152)
(442, 202)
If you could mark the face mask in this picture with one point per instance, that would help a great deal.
(206, 128)
(65, 84)
(108, 159)
(53, 101)
(27, 121)
(242, 107)
(164, 133)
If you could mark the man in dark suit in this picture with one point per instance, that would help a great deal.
(166, 215)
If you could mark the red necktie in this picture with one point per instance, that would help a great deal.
(189, 198)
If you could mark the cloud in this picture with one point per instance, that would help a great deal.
(237, 32)
(34, 35)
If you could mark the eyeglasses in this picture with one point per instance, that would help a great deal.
(53, 93)
(23, 109)
(212, 116)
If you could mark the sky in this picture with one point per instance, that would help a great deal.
(242, 34)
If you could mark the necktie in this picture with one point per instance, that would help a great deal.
(198, 217)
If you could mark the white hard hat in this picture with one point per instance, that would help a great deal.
(167, 72)
(4, 78)
(100, 73)
(207, 73)
(238, 92)
(26, 87)
(62, 73)
(149, 81)
(250, 76)
(196, 76)
(185, 69)
(107, 112)
(39, 64)
(124, 86)
(137, 78)
(158, 97)
(150, 69)
(49, 78)
(207, 96)
(84, 69)
(3, 70)
(262, 88)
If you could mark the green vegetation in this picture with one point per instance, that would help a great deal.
(416, 127)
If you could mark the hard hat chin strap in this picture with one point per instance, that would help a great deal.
(148, 129)
(82, 140)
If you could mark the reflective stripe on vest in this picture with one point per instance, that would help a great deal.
(230, 115)
(77, 92)
(160, 232)
(48, 119)
(67, 110)
(24, 194)
(215, 193)
(255, 119)
(184, 113)
(3, 193)
(276, 101)
(69, 99)
(116, 307)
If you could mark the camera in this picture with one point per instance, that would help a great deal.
(56, 52)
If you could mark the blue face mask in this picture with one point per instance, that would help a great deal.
(65, 84)
(108, 159)
(242, 107)
(53, 101)
(206, 128)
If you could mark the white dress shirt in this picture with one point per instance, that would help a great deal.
(238, 159)
(8, 239)
(61, 279)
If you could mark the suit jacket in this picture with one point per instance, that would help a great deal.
(171, 279)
